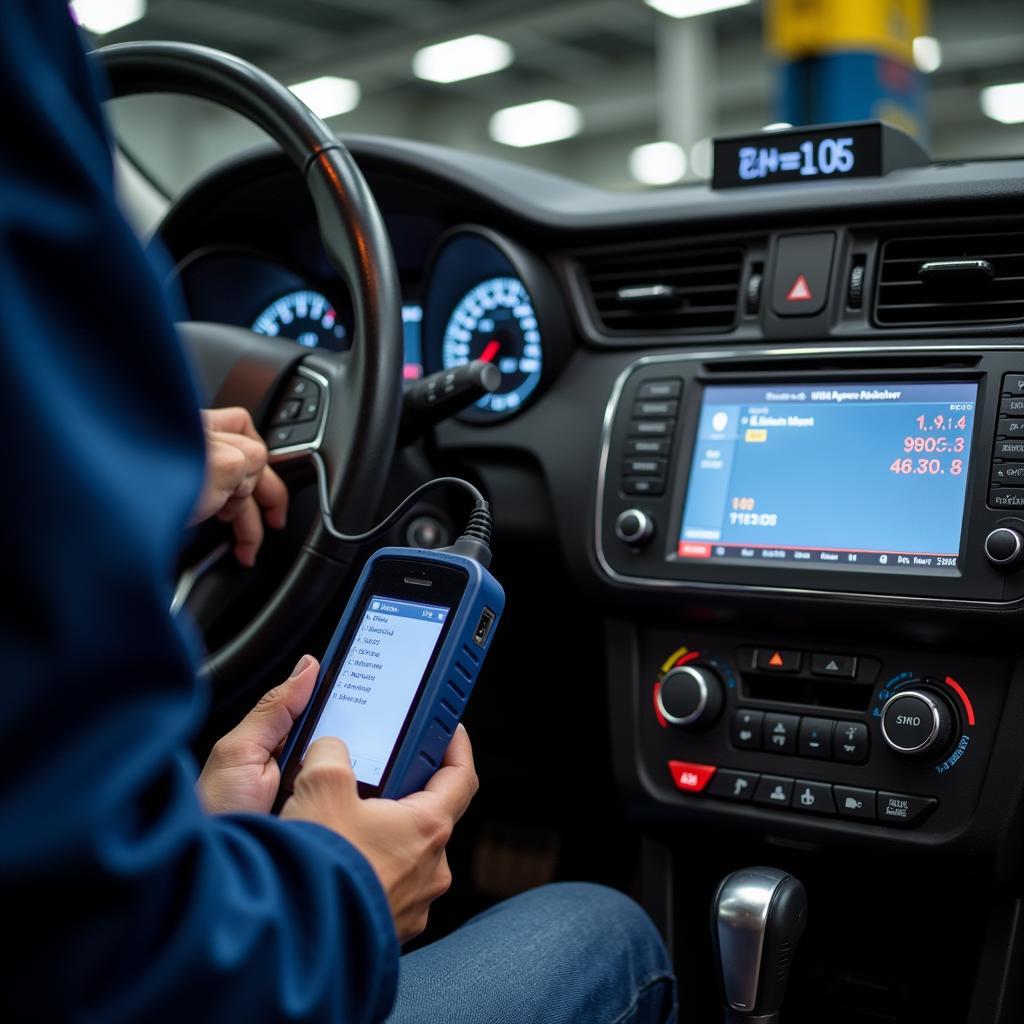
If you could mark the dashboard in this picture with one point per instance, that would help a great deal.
(757, 465)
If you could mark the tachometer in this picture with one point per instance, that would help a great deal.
(495, 322)
(306, 317)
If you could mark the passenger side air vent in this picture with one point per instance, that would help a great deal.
(951, 279)
(664, 288)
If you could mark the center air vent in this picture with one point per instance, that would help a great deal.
(664, 288)
(951, 279)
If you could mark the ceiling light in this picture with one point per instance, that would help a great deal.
(927, 54)
(328, 96)
(701, 158)
(1004, 102)
(776, 126)
(658, 163)
(457, 59)
(103, 16)
(693, 8)
(533, 124)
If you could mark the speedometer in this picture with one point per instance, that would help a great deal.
(495, 322)
(306, 317)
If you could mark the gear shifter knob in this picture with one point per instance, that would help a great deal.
(757, 918)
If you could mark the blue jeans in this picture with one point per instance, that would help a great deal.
(571, 953)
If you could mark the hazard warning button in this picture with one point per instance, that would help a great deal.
(774, 659)
(803, 268)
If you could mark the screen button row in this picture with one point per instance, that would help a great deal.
(1008, 455)
(809, 796)
(822, 738)
(651, 429)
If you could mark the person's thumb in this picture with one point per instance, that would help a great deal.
(268, 724)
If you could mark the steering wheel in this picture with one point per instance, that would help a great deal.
(356, 394)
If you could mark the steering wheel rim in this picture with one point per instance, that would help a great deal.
(359, 425)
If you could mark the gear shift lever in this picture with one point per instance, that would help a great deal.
(757, 918)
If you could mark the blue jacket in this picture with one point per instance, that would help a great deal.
(122, 900)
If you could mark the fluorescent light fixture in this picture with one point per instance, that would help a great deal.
(701, 158)
(328, 96)
(103, 16)
(1004, 103)
(927, 54)
(693, 8)
(468, 57)
(658, 163)
(776, 126)
(533, 124)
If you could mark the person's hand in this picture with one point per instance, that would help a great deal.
(242, 773)
(239, 483)
(404, 840)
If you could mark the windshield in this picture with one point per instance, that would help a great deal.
(622, 94)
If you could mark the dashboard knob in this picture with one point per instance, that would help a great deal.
(634, 527)
(918, 723)
(691, 695)
(1004, 547)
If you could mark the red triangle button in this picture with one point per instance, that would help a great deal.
(801, 290)
(776, 660)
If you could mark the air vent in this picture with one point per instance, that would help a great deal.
(664, 288)
(951, 279)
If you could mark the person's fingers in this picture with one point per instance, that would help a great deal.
(247, 524)
(268, 724)
(253, 451)
(233, 420)
(272, 496)
(455, 783)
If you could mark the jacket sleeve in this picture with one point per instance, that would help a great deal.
(122, 900)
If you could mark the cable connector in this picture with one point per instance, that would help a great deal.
(474, 542)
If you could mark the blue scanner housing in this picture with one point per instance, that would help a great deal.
(450, 682)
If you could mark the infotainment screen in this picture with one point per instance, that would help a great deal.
(841, 475)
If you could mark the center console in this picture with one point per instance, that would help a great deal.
(847, 478)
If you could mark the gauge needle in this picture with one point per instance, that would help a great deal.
(491, 349)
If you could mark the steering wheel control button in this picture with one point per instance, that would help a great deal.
(780, 733)
(838, 666)
(634, 527)
(670, 388)
(689, 777)
(851, 742)
(280, 436)
(813, 797)
(803, 266)
(310, 408)
(816, 737)
(916, 723)
(772, 659)
(746, 729)
(300, 387)
(855, 803)
(1004, 546)
(904, 811)
(288, 410)
(691, 695)
(733, 785)
(774, 791)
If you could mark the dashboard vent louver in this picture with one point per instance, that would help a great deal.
(664, 288)
(951, 279)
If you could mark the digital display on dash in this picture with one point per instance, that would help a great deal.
(854, 476)
(851, 151)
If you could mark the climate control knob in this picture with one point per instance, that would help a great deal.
(691, 696)
(918, 723)
(634, 527)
